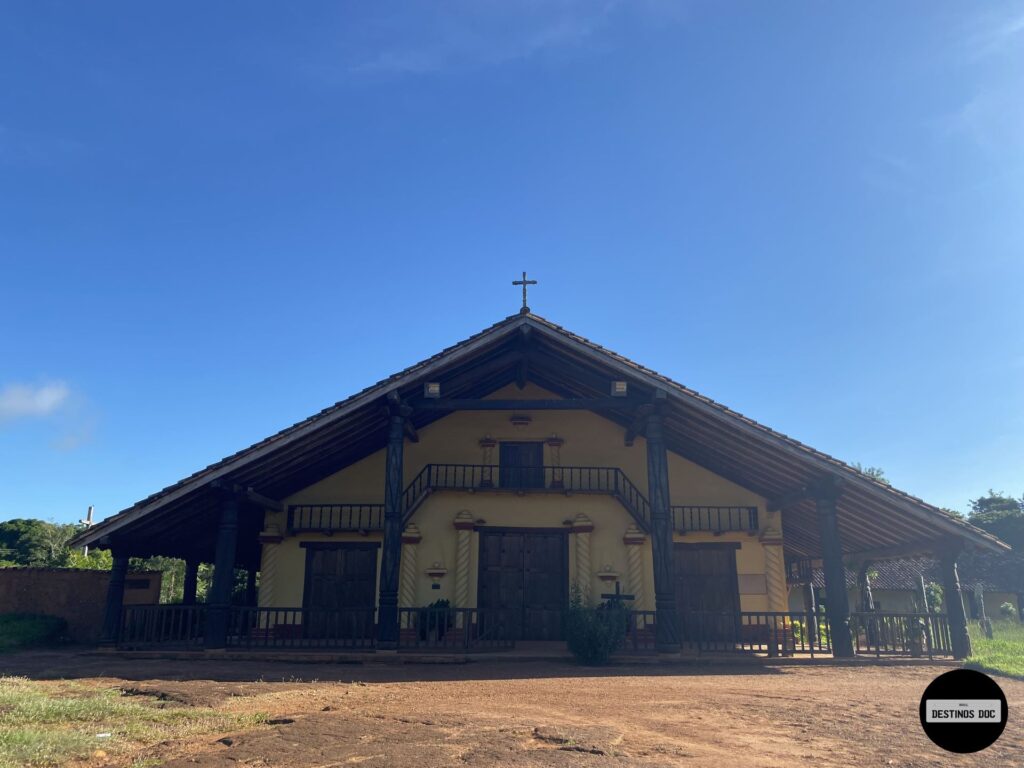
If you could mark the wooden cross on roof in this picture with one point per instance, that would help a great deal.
(524, 282)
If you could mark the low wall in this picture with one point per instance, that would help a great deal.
(77, 596)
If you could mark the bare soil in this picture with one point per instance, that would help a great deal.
(522, 713)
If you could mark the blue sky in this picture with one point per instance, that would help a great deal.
(216, 219)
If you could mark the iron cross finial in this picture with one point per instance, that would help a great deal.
(524, 282)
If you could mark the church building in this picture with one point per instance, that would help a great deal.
(464, 502)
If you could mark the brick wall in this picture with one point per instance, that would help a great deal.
(77, 596)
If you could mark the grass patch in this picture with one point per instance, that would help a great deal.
(47, 724)
(1003, 654)
(25, 630)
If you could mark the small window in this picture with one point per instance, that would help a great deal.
(521, 465)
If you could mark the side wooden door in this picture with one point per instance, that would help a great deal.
(707, 590)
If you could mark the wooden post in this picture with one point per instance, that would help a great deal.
(811, 608)
(391, 554)
(223, 574)
(188, 596)
(666, 622)
(867, 600)
(837, 606)
(954, 601)
(115, 598)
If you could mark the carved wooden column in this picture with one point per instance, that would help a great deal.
(837, 606)
(774, 568)
(634, 539)
(867, 600)
(464, 525)
(188, 595)
(411, 537)
(811, 608)
(391, 554)
(581, 530)
(954, 601)
(115, 597)
(666, 621)
(223, 574)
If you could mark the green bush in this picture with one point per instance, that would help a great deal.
(25, 630)
(592, 633)
(1008, 611)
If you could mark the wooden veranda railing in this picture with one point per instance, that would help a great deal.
(301, 628)
(143, 626)
(456, 629)
(880, 633)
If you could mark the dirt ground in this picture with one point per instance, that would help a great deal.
(541, 713)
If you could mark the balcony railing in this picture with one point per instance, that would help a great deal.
(690, 519)
(305, 518)
(472, 477)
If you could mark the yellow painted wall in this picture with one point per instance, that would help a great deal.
(590, 440)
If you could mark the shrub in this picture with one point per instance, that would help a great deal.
(24, 630)
(1008, 611)
(593, 634)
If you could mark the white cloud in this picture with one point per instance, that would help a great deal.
(27, 401)
(421, 38)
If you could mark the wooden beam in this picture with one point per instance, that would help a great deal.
(932, 548)
(638, 425)
(523, 368)
(263, 501)
(788, 499)
(578, 404)
(248, 494)
(410, 432)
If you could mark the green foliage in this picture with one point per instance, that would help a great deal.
(44, 544)
(934, 592)
(593, 634)
(1003, 654)
(875, 473)
(1000, 515)
(1008, 611)
(96, 560)
(21, 541)
(26, 630)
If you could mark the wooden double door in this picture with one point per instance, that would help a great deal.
(707, 590)
(340, 589)
(523, 581)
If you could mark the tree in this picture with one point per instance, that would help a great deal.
(21, 541)
(1000, 515)
(875, 473)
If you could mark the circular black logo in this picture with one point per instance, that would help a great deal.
(963, 711)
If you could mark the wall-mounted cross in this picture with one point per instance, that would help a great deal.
(524, 282)
(618, 594)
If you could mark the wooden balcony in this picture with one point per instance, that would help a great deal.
(567, 480)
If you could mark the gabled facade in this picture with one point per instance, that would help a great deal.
(506, 473)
